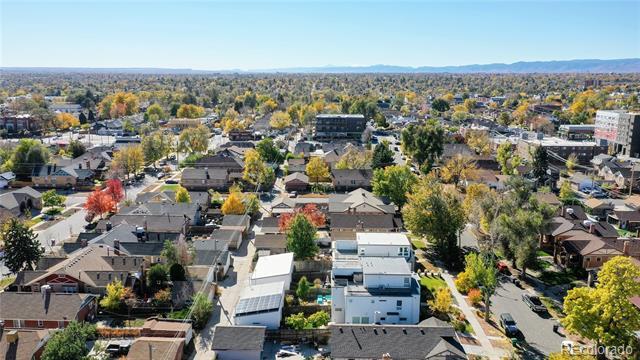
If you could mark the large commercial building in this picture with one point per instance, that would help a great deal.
(583, 150)
(619, 130)
(338, 126)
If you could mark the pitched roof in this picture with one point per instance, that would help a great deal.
(296, 176)
(152, 223)
(238, 338)
(41, 306)
(145, 348)
(359, 221)
(593, 203)
(399, 341)
(352, 174)
(548, 198)
(235, 220)
(29, 342)
(12, 199)
(197, 197)
(346, 202)
(271, 241)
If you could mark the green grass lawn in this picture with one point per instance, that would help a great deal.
(179, 315)
(625, 233)
(433, 284)
(540, 253)
(419, 244)
(557, 278)
(169, 187)
(33, 222)
(554, 309)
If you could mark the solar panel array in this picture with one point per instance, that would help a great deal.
(258, 304)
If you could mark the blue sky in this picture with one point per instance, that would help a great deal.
(277, 34)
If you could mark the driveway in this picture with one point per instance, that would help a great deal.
(537, 329)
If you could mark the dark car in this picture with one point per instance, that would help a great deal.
(534, 303)
(171, 181)
(508, 325)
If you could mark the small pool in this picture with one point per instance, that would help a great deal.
(323, 299)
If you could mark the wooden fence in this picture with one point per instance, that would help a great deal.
(320, 336)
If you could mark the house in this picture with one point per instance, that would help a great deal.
(241, 135)
(129, 239)
(364, 222)
(45, 310)
(23, 344)
(231, 237)
(288, 205)
(360, 201)
(597, 207)
(303, 148)
(238, 342)
(169, 197)
(350, 179)
(627, 220)
(338, 126)
(153, 228)
(260, 304)
(296, 165)
(590, 252)
(296, 182)
(548, 198)
(145, 348)
(191, 212)
(88, 270)
(170, 328)
(68, 177)
(272, 243)
(384, 244)
(491, 178)
(6, 178)
(21, 200)
(270, 225)
(199, 179)
(99, 162)
(223, 159)
(184, 123)
(406, 342)
(210, 255)
(241, 223)
(581, 182)
(273, 268)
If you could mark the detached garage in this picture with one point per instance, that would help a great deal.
(238, 342)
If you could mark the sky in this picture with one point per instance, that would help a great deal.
(250, 35)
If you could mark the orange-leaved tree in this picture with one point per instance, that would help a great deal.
(99, 203)
(310, 211)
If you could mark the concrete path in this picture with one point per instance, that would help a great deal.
(485, 348)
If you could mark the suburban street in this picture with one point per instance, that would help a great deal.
(537, 329)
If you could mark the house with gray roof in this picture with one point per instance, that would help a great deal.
(238, 342)
(20, 200)
(46, 310)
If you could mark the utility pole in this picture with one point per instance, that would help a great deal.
(633, 169)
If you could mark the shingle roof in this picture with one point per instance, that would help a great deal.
(39, 306)
(144, 348)
(357, 221)
(399, 341)
(25, 348)
(238, 338)
(296, 176)
(352, 174)
(271, 241)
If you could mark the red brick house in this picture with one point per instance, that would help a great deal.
(45, 310)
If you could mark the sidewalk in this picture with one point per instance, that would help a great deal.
(485, 348)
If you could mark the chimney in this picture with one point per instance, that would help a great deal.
(79, 165)
(626, 248)
(109, 226)
(84, 243)
(116, 247)
(12, 336)
(592, 228)
(87, 163)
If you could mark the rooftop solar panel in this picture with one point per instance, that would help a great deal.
(258, 304)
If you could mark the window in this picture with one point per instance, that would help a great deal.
(597, 259)
(109, 277)
(61, 323)
(407, 282)
(40, 323)
(355, 320)
(403, 319)
(18, 323)
(365, 320)
(124, 261)
(398, 304)
(98, 276)
(113, 261)
(383, 318)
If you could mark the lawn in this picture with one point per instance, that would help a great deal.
(558, 278)
(541, 253)
(625, 233)
(33, 222)
(554, 309)
(179, 315)
(433, 284)
(418, 244)
(6, 281)
(169, 187)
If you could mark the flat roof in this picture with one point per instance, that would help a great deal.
(367, 238)
(260, 298)
(273, 265)
(343, 116)
(384, 265)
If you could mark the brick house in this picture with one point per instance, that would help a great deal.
(45, 310)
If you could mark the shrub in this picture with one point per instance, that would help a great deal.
(52, 211)
(475, 297)
(162, 296)
(176, 272)
(201, 310)
(303, 288)
(318, 319)
(464, 283)
(459, 326)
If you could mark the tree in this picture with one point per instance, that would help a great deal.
(182, 195)
(190, 111)
(302, 290)
(604, 313)
(76, 148)
(194, 140)
(155, 113)
(540, 162)
(572, 161)
(176, 272)
(201, 310)
(99, 203)
(424, 143)
(179, 253)
(169, 252)
(318, 319)
(442, 302)
(382, 155)
(317, 169)
(296, 321)
(114, 296)
(354, 159)
(69, 343)
(269, 152)
(118, 105)
(280, 120)
(65, 121)
(51, 198)
(163, 296)
(310, 211)
(301, 238)
(157, 276)
(115, 190)
(520, 228)
(233, 205)
(508, 161)
(459, 167)
(483, 274)
(567, 195)
(156, 145)
(129, 160)
(22, 249)
(437, 215)
(28, 155)
(394, 182)
(478, 141)
(254, 167)
(440, 105)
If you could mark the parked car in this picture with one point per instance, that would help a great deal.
(508, 325)
(171, 181)
(284, 354)
(160, 175)
(514, 279)
(534, 302)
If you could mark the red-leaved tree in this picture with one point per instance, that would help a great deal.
(99, 203)
(115, 190)
(310, 211)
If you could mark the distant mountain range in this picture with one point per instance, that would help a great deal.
(522, 67)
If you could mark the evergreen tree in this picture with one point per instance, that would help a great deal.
(301, 238)
(22, 248)
(382, 155)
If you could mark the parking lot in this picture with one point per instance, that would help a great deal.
(536, 329)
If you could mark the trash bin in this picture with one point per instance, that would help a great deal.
(555, 328)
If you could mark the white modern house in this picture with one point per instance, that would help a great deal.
(372, 281)
(260, 304)
(273, 268)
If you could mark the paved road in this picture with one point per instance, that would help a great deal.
(62, 230)
(536, 329)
